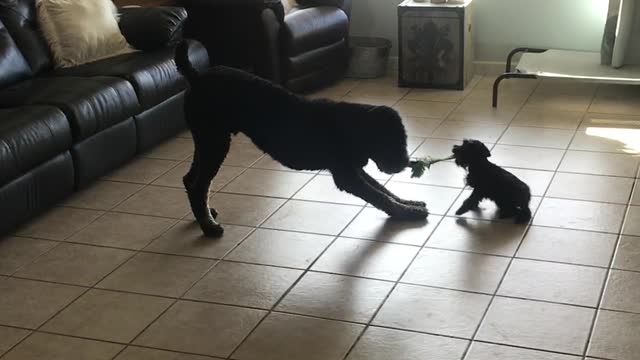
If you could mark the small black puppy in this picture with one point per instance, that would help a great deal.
(490, 181)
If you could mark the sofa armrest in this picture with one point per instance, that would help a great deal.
(150, 28)
(345, 5)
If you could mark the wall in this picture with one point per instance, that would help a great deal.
(501, 25)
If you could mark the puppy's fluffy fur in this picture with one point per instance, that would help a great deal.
(490, 181)
(299, 133)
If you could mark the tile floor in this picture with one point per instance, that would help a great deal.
(306, 272)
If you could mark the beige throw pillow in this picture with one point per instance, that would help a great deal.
(81, 31)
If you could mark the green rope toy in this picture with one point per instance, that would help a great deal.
(419, 166)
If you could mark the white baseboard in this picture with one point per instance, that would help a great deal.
(480, 67)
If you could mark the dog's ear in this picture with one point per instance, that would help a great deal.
(484, 151)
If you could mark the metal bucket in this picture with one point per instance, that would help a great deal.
(368, 57)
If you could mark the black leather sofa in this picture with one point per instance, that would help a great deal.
(304, 49)
(62, 128)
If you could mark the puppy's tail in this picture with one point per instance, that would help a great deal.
(183, 63)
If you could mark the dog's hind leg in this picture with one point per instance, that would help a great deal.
(374, 183)
(208, 157)
(351, 181)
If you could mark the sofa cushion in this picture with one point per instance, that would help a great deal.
(29, 136)
(153, 74)
(19, 16)
(90, 104)
(13, 66)
(312, 28)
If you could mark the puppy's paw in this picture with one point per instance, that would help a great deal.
(412, 213)
(212, 230)
(415, 203)
(463, 209)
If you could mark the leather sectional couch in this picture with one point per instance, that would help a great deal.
(60, 129)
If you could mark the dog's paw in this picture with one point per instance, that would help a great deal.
(462, 210)
(212, 230)
(412, 213)
(213, 212)
(415, 203)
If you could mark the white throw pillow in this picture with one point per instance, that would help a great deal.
(81, 31)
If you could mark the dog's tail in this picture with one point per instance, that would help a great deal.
(185, 67)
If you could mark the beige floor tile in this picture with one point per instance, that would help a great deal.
(580, 215)
(487, 209)
(293, 337)
(173, 178)
(156, 274)
(17, 252)
(312, 217)
(186, 238)
(268, 163)
(538, 280)
(537, 180)
(537, 325)
(545, 118)
(123, 230)
(172, 149)
(438, 199)
(372, 259)
(58, 223)
(379, 88)
(460, 130)
(438, 311)
(438, 148)
(336, 297)
(511, 85)
(568, 246)
(542, 137)
(280, 248)
(242, 153)
(616, 99)
(9, 337)
(599, 163)
(591, 188)
(243, 209)
(477, 236)
(423, 127)
(505, 97)
(628, 254)
(141, 170)
(75, 264)
(205, 329)
(138, 353)
(323, 188)
(108, 315)
(28, 303)
(635, 197)
(606, 140)
(102, 195)
(383, 344)
(244, 285)
(483, 351)
(371, 100)
(373, 224)
(157, 201)
(429, 109)
(268, 183)
(56, 347)
(443, 174)
(632, 222)
(452, 96)
(340, 88)
(615, 336)
(526, 157)
(457, 270)
(483, 112)
(568, 102)
(562, 86)
(622, 292)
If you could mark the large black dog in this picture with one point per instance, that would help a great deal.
(490, 181)
(301, 134)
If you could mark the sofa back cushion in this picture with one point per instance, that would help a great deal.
(13, 66)
(19, 17)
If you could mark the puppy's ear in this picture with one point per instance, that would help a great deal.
(484, 151)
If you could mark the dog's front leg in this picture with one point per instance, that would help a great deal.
(351, 181)
(470, 203)
(374, 183)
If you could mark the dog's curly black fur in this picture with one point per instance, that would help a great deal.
(301, 134)
(490, 181)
